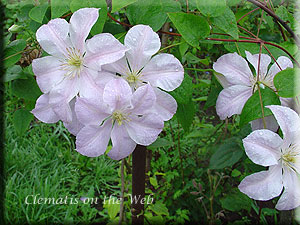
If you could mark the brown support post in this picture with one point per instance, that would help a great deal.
(138, 184)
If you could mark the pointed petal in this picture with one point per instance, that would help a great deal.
(48, 72)
(290, 198)
(87, 85)
(284, 62)
(43, 110)
(263, 185)
(265, 60)
(288, 121)
(90, 111)
(143, 99)
(165, 105)
(222, 80)
(54, 37)
(144, 130)
(120, 67)
(271, 124)
(104, 77)
(117, 93)
(103, 49)
(232, 100)
(81, 23)
(92, 140)
(263, 147)
(123, 145)
(235, 68)
(75, 126)
(163, 71)
(143, 43)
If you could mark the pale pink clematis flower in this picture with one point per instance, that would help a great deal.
(119, 115)
(239, 82)
(162, 71)
(73, 64)
(267, 148)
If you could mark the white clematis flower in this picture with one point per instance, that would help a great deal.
(119, 115)
(239, 82)
(73, 64)
(162, 71)
(267, 148)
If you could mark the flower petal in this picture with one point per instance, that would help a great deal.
(117, 93)
(61, 95)
(92, 140)
(231, 100)
(48, 72)
(290, 197)
(120, 67)
(164, 71)
(263, 147)
(143, 99)
(54, 37)
(263, 185)
(103, 49)
(123, 145)
(284, 62)
(222, 80)
(144, 130)
(235, 68)
(143, 43)
(75, 126)
(90, 111)
(271, 124)
(81, 23)
(43, 110)
(288, 121)
(165, 105)
(265, 60)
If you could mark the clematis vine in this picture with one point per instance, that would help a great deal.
(282, 156)
(162, 71)
(239, 82)
(73, 66)
(120, 115)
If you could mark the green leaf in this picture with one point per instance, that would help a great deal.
(285, 82)
(27, 89)
(233, 2)
(236, 201)
(211, 8)
(227, 154)
(38, 12)
(119, 4)
(21, 120)
(185, 114)
(192, 28)
(184, 92)
(112, 207)
(113, 28)
(159, 209)
(215, 89)
(98, 26)
(153, 182)
(159, 143)
(252, 109)
(227, 23)
(13, 73)
(151, 12)
(13, 52)
(59, 8)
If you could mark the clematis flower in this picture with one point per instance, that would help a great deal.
(267, 148)
(73, 64)
(119, 115)
(239, 82)
(162, 71)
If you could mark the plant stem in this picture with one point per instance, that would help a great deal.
(122, 192)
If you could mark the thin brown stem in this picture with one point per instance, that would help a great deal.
(122, 193)
(180, 156)
(248, 13)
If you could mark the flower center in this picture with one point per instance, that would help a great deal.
(264, 81)
(133, 78)
(73, 63)
(119, 117)
(289, 157)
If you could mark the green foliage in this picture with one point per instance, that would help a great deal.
(285, 82)
(252, 109)
(37, 13)
(13, 73)
(192, 28)
(236, 201)
(13, 51)
(21, 120)
(119, 4)
(213, 8)
(59, 8)
(151, 12)
(27, 89)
